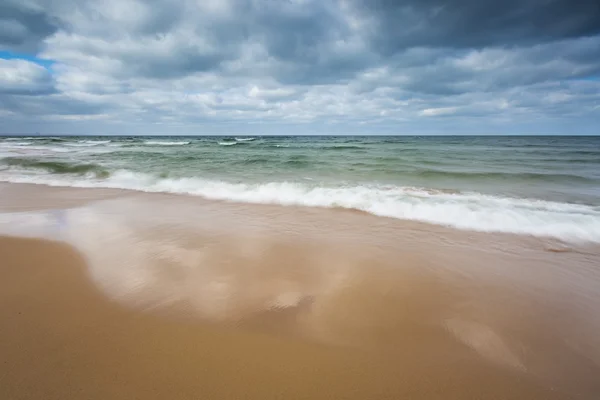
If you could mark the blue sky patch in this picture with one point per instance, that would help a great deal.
(11, 55)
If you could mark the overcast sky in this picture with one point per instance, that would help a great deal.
(300, 66)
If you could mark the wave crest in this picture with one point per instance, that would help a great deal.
(165, 143)
(469, 211)
(57, 167)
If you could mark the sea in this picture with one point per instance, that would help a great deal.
(536, 186)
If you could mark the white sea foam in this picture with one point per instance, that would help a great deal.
(244, 139)
(14, 143)
(94, 142)
(164, 143)
(470, 211)
(31, 138)
(227, 143)
(18, 149)
(81, 144)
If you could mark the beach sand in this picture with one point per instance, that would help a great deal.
(224, 301)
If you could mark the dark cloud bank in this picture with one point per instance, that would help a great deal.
(357, 66)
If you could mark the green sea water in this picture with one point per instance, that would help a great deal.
(485, 183)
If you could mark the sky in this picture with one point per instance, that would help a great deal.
(299, 67)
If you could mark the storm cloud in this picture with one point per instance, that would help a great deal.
(24, 26)
(301, 66)
(476, 24)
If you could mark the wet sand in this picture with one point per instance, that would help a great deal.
(152, 296)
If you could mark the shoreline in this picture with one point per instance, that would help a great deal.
(17, 197)
(286, 288)
(486, 212)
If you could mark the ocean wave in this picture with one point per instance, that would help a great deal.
(95, 142)
(339, 147)
(227, 143)
(291, 162)
(37, 138)
(14, 143)
(33, 149)
(253, 161)
(56, 167)
(81, 144)
(165, 143)
(469, 211)
(245, 139)
(53, 149)
(512, 176)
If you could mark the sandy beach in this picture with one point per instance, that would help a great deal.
(103, 296)
(299, 200)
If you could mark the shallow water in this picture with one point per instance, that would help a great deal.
(542, 186)
(404, 289)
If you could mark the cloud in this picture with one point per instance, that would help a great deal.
(295, 42)
(397, 25)
(24, 25)
(447, 72)
(24, 78)
(434, 112)
(316, 65)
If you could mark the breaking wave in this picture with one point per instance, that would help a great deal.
(531, 176)
(56, 167)
(16, 143)
(95, 141)
(165, 143)
(462, 210)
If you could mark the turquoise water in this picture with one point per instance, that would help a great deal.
(547, 186)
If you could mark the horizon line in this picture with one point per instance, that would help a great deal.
(4, 135)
